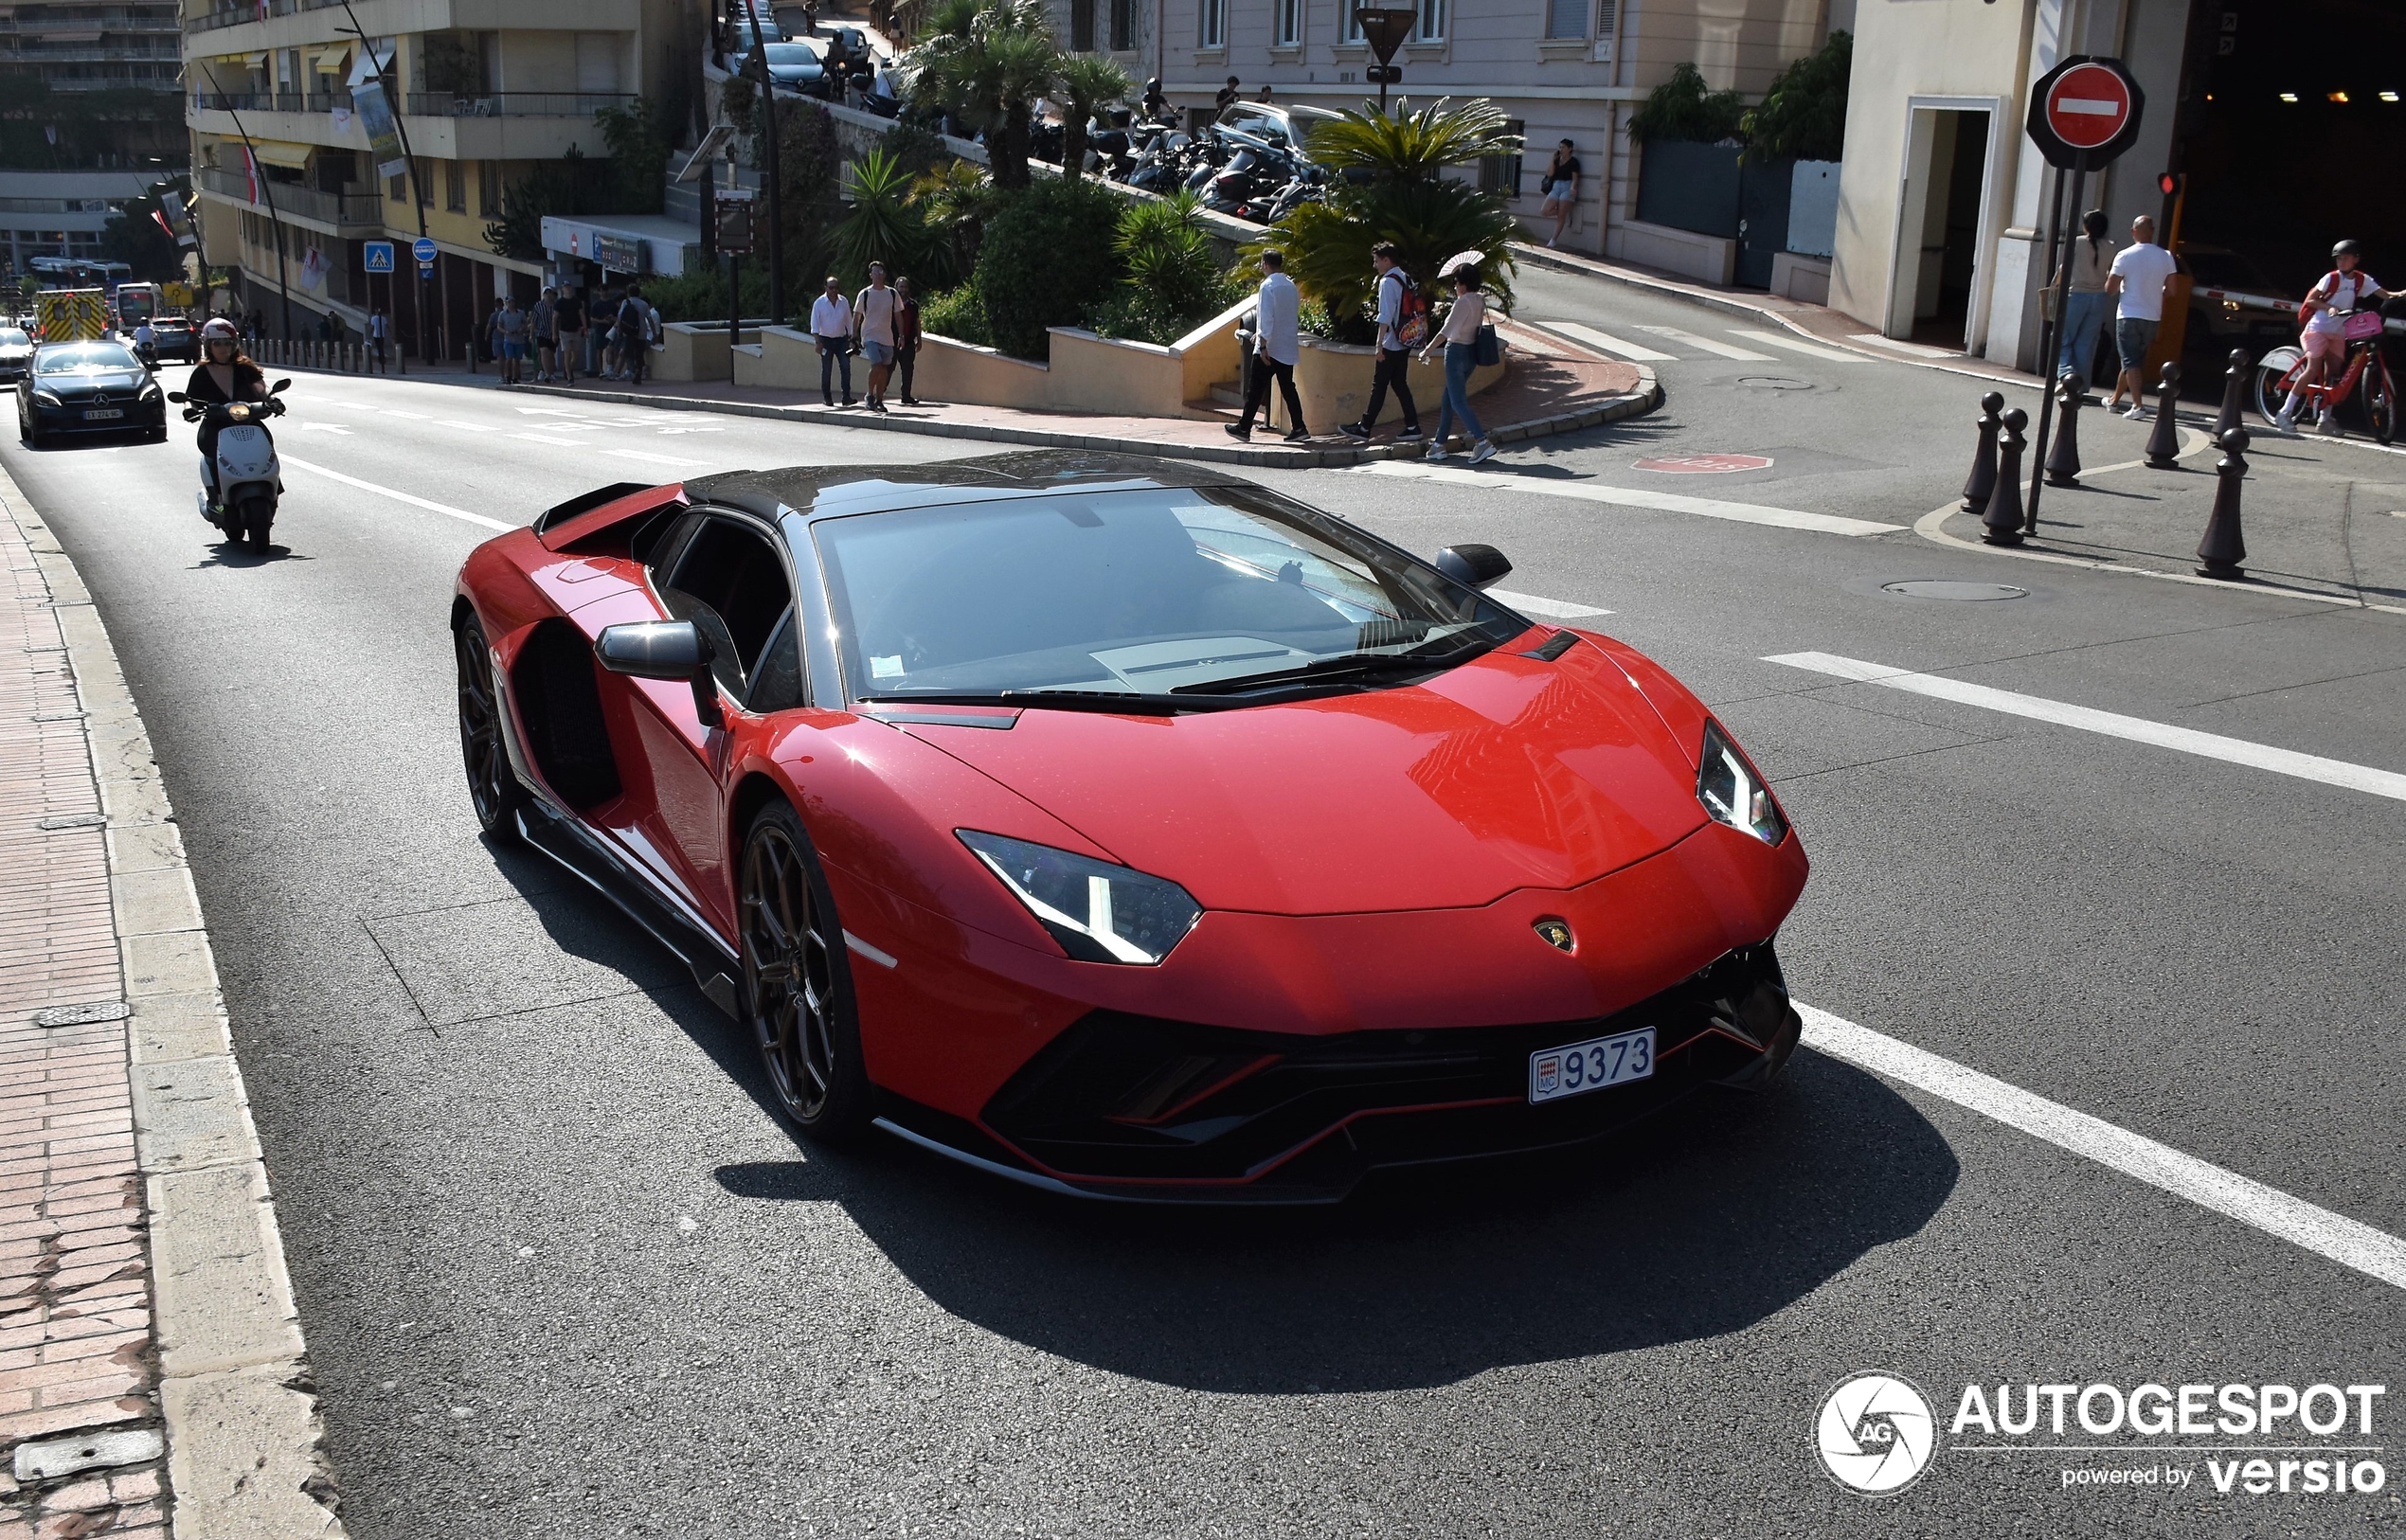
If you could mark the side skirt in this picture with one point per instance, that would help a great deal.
(584, 855)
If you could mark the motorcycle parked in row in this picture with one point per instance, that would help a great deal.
(242, 481)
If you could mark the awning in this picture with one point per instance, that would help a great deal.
(330, 59)
(276, 152)
(245, 60)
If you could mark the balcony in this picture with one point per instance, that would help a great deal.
(344, 211)
(382, 17)
(163, 20)
(514, 104)
(269, 101)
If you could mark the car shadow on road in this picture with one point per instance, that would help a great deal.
(1703, 1222)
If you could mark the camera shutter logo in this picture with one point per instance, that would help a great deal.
(1876, 1434)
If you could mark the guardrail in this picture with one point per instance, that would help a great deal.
(514, 103)
(294, 198)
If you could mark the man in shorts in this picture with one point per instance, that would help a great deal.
(2137, 281)
(873, 328)
(567, 329)
(509, 333)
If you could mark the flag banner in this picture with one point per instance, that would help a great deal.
(384, 135)
(313, 268)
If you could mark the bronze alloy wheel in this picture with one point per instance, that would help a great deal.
(491, 785)
(796, 982)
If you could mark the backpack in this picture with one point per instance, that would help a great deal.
(1412, 316)
(2326, 285)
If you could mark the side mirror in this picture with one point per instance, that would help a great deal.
(1481, 566)
(177, 396)
(280, 387)
(664, 650)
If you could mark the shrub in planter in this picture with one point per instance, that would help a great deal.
(958, 313)
(1043, 258)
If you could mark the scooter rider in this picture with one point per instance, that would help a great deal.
(225, 375)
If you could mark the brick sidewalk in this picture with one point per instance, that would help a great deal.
(76, 1355)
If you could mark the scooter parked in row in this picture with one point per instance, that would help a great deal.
(242, 481)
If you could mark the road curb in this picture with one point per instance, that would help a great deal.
(242, 1426)
(1645, 399)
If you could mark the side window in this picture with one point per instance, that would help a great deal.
(777, 681)
(730, 583)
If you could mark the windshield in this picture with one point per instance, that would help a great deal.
(1137, 592)
(790, 53)
(12, 337)
(84, 358)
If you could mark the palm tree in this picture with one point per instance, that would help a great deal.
(1087, 81)
(886, 224)
(1412, 145)
(987, 62)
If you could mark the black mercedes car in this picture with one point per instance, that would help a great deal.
(16, 353)
(89, 387)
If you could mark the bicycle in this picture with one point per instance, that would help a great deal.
(2279, 371)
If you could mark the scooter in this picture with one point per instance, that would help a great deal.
(239, 492)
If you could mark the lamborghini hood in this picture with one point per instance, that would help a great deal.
(1505, 773)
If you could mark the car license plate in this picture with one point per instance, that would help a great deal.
(1578, 1068)
(100, 413)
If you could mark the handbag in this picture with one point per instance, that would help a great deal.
(1489, 348)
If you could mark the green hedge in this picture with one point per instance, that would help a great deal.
(1047, 255)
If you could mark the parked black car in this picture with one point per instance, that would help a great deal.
(16, 353)
(89, 387)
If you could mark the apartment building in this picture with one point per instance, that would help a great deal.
(86, 48)
(485, 92)
(1574, 69)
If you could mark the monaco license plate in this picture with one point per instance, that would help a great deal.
(1578, 1068)
(101, 413)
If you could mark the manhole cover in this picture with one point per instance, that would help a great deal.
(83, 1015)
(1773, 381)
(1705, 464)
(1959, 592)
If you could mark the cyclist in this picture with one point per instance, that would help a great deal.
(2324, 340)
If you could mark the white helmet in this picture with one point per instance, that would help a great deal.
(220, 330)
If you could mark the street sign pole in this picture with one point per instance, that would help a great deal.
(1384, 28)
(2060, 241)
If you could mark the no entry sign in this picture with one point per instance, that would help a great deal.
(2084, 110)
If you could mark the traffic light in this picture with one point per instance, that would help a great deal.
(2168, 183)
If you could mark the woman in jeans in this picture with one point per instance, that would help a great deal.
(1460, 335)
(2089, 307)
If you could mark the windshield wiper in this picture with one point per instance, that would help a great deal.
(1331, 671)
(1054, 700)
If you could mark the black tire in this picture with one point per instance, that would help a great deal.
(2381, 402)
(2271, 394)
(258, 517)
(798, 983)
(494, 788)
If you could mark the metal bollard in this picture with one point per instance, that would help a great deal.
(2233, 386)
(1982, 480)
(2224, 547)
(2164, 444)
(2063, 461)
(2003, 514)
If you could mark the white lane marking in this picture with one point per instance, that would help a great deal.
(1666, 502)
(1608, 342)
(1915, 348)
(322, 427)
(883, 960)
(650, 459)
(472, 427)
(2356, 777)
(1781, 339)
(1708, 344)
(1561, 609)
(399, 496)
(414, 417)
(2350, 1242)
(543, 438)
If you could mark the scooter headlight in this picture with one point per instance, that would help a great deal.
(238, 413)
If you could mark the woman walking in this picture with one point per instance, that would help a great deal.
(1465, 318)
(1562, 190)
(2085, 311)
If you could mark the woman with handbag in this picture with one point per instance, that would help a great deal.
(1465, 335)
(1561, 182)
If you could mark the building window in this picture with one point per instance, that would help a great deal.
(1286, 23)
(397, 189)
(1214, 28)
(1567, 18)
(1607, 18)
(1502, 174)
(1082, 26)
(454, 187)
(1124, 26)
(1432, 21)
(423, 172)
(489, 188)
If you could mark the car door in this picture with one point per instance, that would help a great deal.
(727, 574)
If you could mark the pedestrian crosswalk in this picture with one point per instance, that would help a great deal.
(1672, 345)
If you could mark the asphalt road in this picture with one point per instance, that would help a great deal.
(564, 1273)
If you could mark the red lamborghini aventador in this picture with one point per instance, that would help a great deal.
(1128, 830)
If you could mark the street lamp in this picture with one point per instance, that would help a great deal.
(1384, 28)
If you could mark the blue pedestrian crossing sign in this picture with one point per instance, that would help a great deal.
(424, 250)
(379, 255)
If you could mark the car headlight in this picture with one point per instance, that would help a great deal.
(1733, 792)
(45, 397)
(151, 393)
(1097, 911)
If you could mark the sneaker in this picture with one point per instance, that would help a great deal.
(831, 401)
(2136, 414)
(1409, 435)
(1298, 436)
(851, 401)
(1439, 453)
(877, 406)
(2326, 423)
(1354, 430)
(914, 400)
(1243, 432)
(2285, 423)
(1482, 450)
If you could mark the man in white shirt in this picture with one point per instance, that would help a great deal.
(873, 325)
(830, 324)
(2137, 281)
(1277, 341)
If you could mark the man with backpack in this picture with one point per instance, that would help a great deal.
(634, 335)
(1403, 324)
